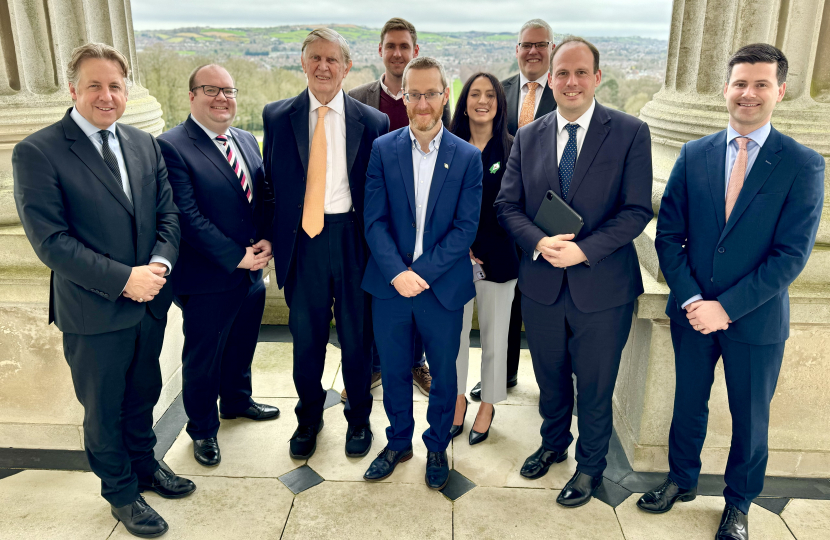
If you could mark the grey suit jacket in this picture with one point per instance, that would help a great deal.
(369, 94)
(512, 92)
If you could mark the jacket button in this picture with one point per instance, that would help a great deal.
(409, 255)
(252, 241)
(712, 279)
(295, 231)
(413, 224)
(300, 205)
(721, 250)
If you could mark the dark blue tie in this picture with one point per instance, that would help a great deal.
(566, 164)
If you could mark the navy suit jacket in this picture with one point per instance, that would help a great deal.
(748, 262)
(285, 153)
(217, 221)
(610, 189)
(451, 223)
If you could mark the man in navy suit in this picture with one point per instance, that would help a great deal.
(226, 208)
(423, 199)
(578, 293)
(737, 223)
(317, 148)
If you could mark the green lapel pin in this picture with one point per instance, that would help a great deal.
(496, 166)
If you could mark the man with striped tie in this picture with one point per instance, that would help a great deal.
(226, 209)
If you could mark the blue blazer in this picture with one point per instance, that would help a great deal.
(451, 223)
(217, 220)
(748, 262)
(610, 189)
(285, 153)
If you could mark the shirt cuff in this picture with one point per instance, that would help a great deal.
(695, 298)
(396, 277)
(162, 260)
(536, 254)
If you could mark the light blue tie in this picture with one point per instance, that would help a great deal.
(566, 164)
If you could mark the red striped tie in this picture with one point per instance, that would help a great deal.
(237, 168)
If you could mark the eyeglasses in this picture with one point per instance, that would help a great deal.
(213, 91)
(527, 45)
(415, 97)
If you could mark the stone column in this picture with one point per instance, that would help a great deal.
(38, 408)
(690, 105)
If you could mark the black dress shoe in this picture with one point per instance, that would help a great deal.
(167, 484)
(139, 519)
(662, 498)
(455, 431)
(384, 465)
(513, 381)
(537, 465)
(257, 411)
(438, 470)
(358, 440)
(476, 437)
(579, 490)
(734, 525)
(475, 393)
(206, 451)
(304, 441)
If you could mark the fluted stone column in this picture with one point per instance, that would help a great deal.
(691, 105)
(38, 408)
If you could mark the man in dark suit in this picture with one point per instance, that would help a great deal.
(93, 198)
(529, 96)
(737, 223)
(423, 199)
(317, 147)
(226, 208)
(578, 292)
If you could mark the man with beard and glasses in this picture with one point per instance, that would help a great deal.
(422, 205)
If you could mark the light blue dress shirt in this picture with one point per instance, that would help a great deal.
(756, 140)
(115, 145)
(423, 166)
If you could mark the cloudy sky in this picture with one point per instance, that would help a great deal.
(648, 18)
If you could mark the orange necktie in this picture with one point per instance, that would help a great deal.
(529, 104)
(315, 190)
(736, 177)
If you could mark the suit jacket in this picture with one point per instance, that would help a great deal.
(748, 262)
(83, 226)
(285, 156)
(610, 189)
(453, 209)
(513, 94)
(217, 221)
(369, 94)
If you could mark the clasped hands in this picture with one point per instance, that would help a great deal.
(145, 282)
(560, 251)
(409, 284)
(256, 256)
(707, 316)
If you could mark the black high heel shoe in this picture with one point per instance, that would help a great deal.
(455, 431)
(476, 437)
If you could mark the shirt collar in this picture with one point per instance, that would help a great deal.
(335, 105)
(543, 80)
(759, 136)
(584, 121)
(434, 144)
(85, 125)
(209, 132)
(386, 88)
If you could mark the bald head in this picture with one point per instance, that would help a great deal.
(215, 112)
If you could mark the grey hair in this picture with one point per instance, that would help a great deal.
(535, 23)
(329, 35)
(96, 50)
(426, 62)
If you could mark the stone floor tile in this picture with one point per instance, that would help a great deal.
(249, 448)
(330, 459)
(223, 508)
(360, 510)
(696, 520)
(808, 519)
(495, 514)
(513, 437)
(273, 365)
(54, 504)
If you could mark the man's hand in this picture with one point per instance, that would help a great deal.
(248, 260)
(145, 282)
(263, 255)
(473, 257)
(410, 284)
(560, 251)
(707, 316)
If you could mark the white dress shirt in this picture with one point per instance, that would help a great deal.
(338, 195)
(397, 96)
(524, 89)
(234, 147)
(115, 145)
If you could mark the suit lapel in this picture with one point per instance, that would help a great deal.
(354, 132)
(597, 131)
(715, 165)
(404, 148)
(443, 162)
(547, 103)
(299, 121)
(373, 96)
(135, 172)
(547, 148)
(511, 90)
(207, 147)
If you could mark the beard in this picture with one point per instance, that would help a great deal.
(424, 124)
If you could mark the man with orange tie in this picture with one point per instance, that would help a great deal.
(316, 151)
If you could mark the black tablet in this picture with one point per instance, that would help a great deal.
(555, 216)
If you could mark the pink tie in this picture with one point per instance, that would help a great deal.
(736, 178)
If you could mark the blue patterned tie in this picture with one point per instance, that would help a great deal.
(566, 164)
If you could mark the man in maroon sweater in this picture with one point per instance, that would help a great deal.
(398, 45)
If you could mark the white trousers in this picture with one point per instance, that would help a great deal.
(494, 301)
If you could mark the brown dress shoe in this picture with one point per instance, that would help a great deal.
(422, 379)
(374, 384)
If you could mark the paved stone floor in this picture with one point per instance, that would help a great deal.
(249, 495)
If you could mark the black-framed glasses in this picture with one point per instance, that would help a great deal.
(213, 91)
(527, 45)
(415, 97)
